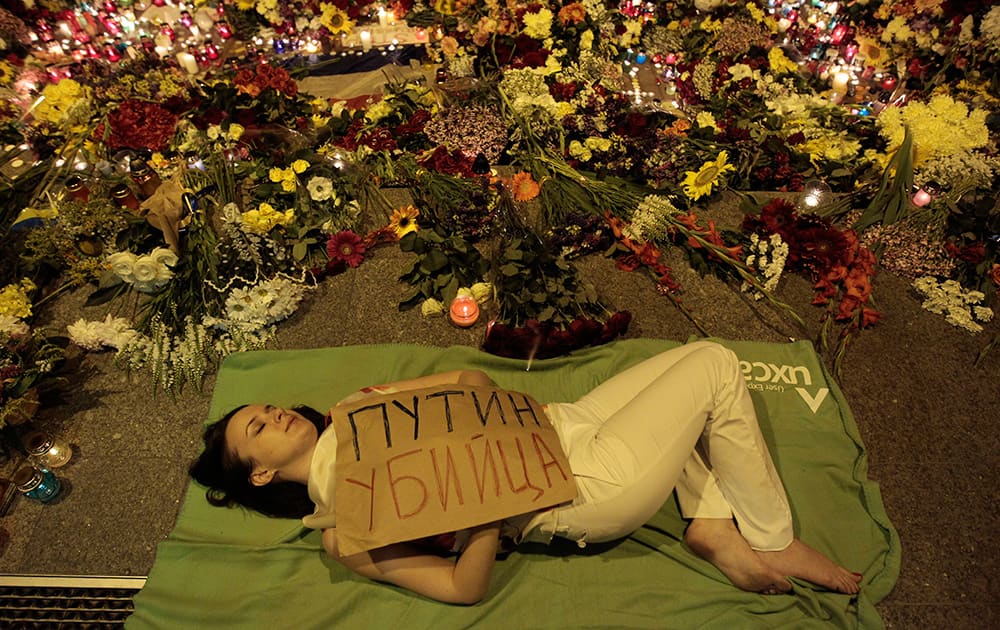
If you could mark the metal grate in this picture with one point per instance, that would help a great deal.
(64, 601)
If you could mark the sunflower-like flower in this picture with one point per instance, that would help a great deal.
(698, 184)
(404, 220)
(335, 19)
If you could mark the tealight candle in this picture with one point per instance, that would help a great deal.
(464, 311)
(840, 81)
(188, 62)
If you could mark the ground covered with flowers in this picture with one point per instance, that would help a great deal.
(201, 208)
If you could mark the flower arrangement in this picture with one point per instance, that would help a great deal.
(961, 307)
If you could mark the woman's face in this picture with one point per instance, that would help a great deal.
(274, 441)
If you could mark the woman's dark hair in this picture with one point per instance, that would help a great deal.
(228, 478)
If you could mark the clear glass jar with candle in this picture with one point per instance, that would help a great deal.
(46, 451)
(40, 485)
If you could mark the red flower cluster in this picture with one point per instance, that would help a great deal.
(637, 255)
(138, 124)
(449, 162)
(536, 340)
(253, 81)
(835, 259)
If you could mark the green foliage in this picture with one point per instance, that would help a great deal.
(446, 263)
(532, 282)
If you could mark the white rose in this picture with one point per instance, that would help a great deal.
(164, 256)
(145, 270)
(431, 308)
(122, 264)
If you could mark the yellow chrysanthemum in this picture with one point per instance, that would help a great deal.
(245, 5)
(14, 300)
(780, 63)
(276, 174)
(404, 220)
(288, 185)
(300, 166)
(265, 217)
(698, 184)
(335, 20)
(7, 73)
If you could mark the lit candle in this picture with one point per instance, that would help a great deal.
(921, 198)
(188, 62)
(840, 81)
(383, 17)
(366, 40)
(464, 311)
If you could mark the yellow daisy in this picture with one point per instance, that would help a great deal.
(697, 185)
(404, 220)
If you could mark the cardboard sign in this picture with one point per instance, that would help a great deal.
(435, 460)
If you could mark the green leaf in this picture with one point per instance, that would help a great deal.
(105, 295)
(299, 251)
(434, 260)
(408, 242)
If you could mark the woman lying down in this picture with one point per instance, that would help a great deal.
(682, 420)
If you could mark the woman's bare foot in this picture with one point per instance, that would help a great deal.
(802, 561)
(718, 541)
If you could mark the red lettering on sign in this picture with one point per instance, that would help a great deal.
(450, 474)
(394, 481)
(546, 464)
(480, 471)
(370, 486)
(524, 469)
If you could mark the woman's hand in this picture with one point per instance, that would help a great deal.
(462, 580)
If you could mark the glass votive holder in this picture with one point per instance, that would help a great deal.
(46, 451)
(40, 485)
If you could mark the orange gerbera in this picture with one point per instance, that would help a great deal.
(572, 14)
(404, 220)
(524, 187)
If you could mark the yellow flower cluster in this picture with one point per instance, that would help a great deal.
(14, 300)
(538, 25)
(287, 176)
(940, 127)
(779, 62)
(58, 99)
(265, 218)
(7, 73)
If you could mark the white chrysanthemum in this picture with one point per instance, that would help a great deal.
(13, 326)
(267, 303)
(113, 332)
(989, 28)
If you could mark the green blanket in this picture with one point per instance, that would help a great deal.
(223, 568)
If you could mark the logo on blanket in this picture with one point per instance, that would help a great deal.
(762, 376)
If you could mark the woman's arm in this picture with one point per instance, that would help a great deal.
(462, 580)
(460, 377)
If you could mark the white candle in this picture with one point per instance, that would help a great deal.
(188, 62)
(366, 40)
(383, 17)
(840, 81)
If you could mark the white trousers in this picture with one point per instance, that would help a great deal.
(682, 419)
